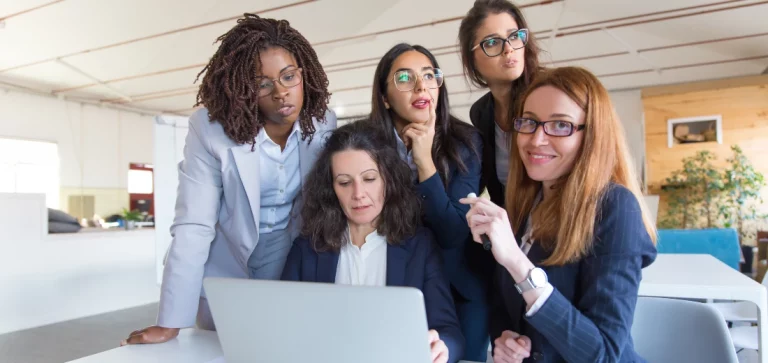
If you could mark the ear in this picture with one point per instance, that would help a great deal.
(386, 104)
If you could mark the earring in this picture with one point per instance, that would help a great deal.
(386, 105)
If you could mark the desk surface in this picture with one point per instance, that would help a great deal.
(697, 276)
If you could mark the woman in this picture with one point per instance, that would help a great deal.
(245, 158)
(361, 228)
(410, 106)
(567, 281)
(497, 52)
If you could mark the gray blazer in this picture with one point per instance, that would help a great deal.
(217, 212)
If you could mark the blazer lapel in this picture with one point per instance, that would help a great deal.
(248, 162)
(327, 262)
(397, 260)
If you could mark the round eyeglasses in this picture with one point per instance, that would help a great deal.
(493, 47)
(405, 79)
(288, 79)
(552, 128)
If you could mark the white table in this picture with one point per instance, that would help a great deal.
(705, 277)
(191, 346)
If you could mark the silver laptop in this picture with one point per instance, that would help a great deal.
(276, 321)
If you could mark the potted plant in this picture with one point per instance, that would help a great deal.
(741, 194)
(131, 217)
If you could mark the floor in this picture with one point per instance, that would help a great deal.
(79, 338)
(69, 340)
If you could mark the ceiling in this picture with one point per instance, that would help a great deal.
(145, 54)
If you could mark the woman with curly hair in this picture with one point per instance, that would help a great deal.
(361, 227)
(246, 155)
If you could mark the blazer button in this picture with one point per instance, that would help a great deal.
(537, 356)
(423, 197)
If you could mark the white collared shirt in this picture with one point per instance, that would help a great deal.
(366, 265)
(406, 156)
(280, 179)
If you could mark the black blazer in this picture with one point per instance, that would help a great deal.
(588, 317)
(416, 262)
(482, 116)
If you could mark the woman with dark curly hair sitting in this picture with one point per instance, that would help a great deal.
(361, 227)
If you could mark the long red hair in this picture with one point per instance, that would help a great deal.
(565, 222)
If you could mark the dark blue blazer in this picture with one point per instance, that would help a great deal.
(588, 317)
(483, 117)
(446, 217)
(415, 263)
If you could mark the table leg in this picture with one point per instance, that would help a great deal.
(762, 327)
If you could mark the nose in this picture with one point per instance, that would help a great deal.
(539, 137)
(358, 191)
(419, 86)
(279, 92)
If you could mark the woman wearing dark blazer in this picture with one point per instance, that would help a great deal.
(410, 106)
(361, 227)
(566, 283)
(497, 52)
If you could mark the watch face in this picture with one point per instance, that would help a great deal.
(538, 277)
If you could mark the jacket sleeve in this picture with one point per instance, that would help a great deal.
(441, 312)
(292, 268)
(443, 213)
(194, 228)
(596, 327)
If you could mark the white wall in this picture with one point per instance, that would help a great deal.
(96, 145)
(46, 279)
(629, 106)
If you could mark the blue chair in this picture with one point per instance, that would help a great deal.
(722, 243)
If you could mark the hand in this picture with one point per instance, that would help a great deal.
(420, 137)
(511, 347)
(151, 335)
(438, 348)
(484, 217)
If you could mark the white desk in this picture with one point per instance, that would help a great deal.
(191, 346)
(705, 277)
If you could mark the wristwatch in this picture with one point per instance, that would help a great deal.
(536, 279)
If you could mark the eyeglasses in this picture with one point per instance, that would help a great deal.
(405, 79)
(287, 79)
(552, 128)
(493, 47)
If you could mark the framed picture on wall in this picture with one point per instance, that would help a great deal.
(697, 129)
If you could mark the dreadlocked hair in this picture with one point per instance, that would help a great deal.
(229, 91)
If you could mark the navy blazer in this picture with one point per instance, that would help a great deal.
(447, 218)
(482, 116)
(588, 317)
(413, 263)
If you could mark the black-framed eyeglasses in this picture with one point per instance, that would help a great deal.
(555, 128)
(493, 47)
(288, 79)
(405, 79)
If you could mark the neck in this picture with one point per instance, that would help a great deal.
(546, 187)
(358, 232)
(400, 124)
(279, 132)
(501, 93)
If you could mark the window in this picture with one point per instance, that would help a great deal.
(30, 167)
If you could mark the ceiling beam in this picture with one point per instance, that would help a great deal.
(6, 17)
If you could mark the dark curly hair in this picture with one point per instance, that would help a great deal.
(324, 221)
(450, 132)
(228, 89)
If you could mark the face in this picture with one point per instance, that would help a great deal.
(547, 158)
(509, 65)
(413, 105)
(358, 186)
(283, 105)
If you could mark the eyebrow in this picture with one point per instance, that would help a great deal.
(562, 115)
(493, 35)
(363, 172)
(427, 68)
(281, 71)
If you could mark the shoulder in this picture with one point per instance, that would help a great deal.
(619, 228)
(324, 128)
(304, 245)
(479, 107)
(209, 130)
(422, 240)
(469, 147)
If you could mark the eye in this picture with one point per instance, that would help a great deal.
(562, 125)
(369, 180)
(403, 77)
(289, 76)
(491, 42)
(343, 183)
(429, 76)
(265, 84)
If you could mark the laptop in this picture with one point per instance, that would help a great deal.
(279, 321)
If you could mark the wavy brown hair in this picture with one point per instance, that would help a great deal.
(565, 222)
(228, 89)
(324, 221)
(468, 32)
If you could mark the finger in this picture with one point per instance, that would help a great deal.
(501, 355)
(415, 126)
(516, 348)
(135, 339)
(432, 114)
(136, 332)
(525, 342)
(442, 352)
(433, 336)
(413, 134)
(468, 200)
(478, 219)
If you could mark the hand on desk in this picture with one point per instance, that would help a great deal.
(511, 347)
(438, 348)
(151, 335)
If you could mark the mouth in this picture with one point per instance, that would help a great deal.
(538, 158)
(510, 63)
(361, 208)
(421, 103)
(286, 110)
